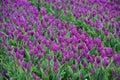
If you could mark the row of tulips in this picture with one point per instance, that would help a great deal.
(100, 18)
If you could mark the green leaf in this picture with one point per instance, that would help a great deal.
(27, 56)
(75, 75)
(44, 63)
(70, 70)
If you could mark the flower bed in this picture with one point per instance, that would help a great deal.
(59, 40)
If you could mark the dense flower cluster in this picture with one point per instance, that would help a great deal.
(42, 45)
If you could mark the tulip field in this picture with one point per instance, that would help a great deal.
(59, 39)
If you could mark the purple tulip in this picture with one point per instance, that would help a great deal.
(109, 51)
(3, 72)
(21, 57)
(63, 61)
(35, 50)
(98, 59)
(45, 72)
(56, 64)
(75, 55)
(81, 75)
(27, 67)
(32, 32)
(73, 48)
(78, 60)
(105, 61)
(55, 58)
(34, 76)
(25, 37)
(30, 63)
(42, 11)
(103, 53)
(40, 47)
(38, 78)
(19, 62)
(67, 57)
(49, 57)
(113, 72)
(115, 57)
(87, 56)
(106, 32)
(119, 33)
(95, 64)
(9, 48)
(84, 63)
(15, 49)
(39, 55)
(31, 52)
(91, 59)
(58, 78)
(97, 41)
(38, 64)
(92, 71)
(73, 67)
(10, 53)
(55, 46)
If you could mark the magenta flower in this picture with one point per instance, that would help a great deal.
(119, 33)
(78, 60)
(32, 32)
(109, 51)
(56, 64)
(87, 56)
(105, 61)
(38, 78)
(19, 62)
(103, 53)
(40, 47)
(46, 17)
(81, 75)
(74, 48)
(116, 58)
(84, 63)
(55, 46)
(97, 41)
(95, 64)
(67, 57)
(34, 76)
(25, 37)
(42, 11)
(15, 49)
(83, 37)
(45, 72)
(27, 67)
(9, 48)
(75, 56)
(92, 71)
(35, 50)
(10, 53)
(73, 67)
(24, 64)
(55, 58)
(3, 72)
(98, 59)
(58, 78)
(113, 72)
(63, 61)
(49, 57)
(31, 52)
(39, 56)
(91, 59)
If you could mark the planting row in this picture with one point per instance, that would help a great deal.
(98, 18)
